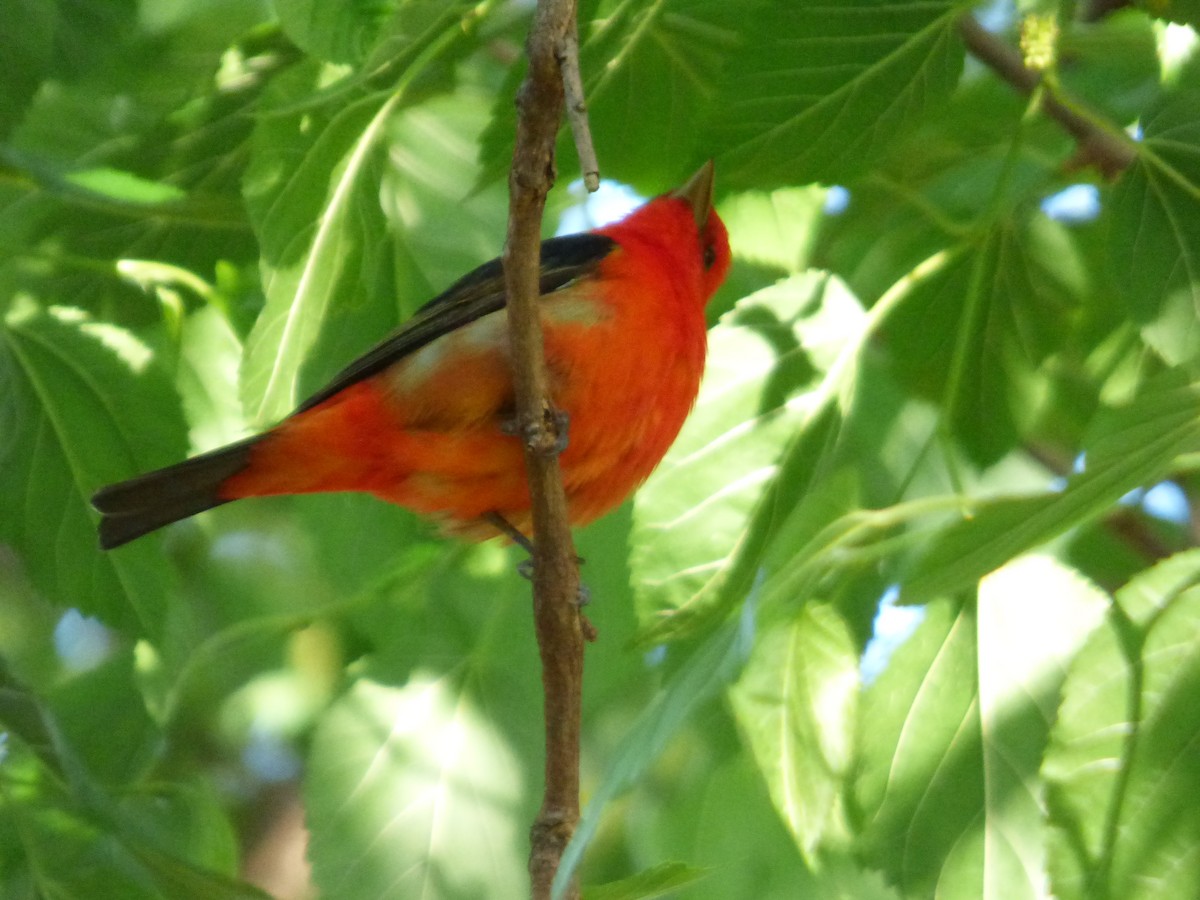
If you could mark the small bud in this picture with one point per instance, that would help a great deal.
(1039, 35)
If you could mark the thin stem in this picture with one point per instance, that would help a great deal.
(1110, 151)
(568, 60)
(557, 621)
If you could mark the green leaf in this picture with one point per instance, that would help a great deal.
(1034, 615)
(411, 793)
(209, 354)
(72, 839)
(437, 232)
(123, 187)
(728, 819)
(774, 230)
(180, 833)
(98, 712)
(726, 454)
(28, 27)
(91, 35)
(796, 702)
(972, 337)
(954, 732)
(649, 74)
(1121, 769)
(82, 404)
(461, 611)
(654, 67)
(1113, 65)
(808, 522)
(1184, 11)
(313, 192)
(440, 229)
(822, 90)
(1136, 444)
(337, 32)
(1153, 248)
(335, 282)
(657, 882)
(920, 751)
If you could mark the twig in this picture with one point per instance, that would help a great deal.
(1109, 152)
(568, 60)
(556, 572)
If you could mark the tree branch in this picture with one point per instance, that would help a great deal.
(1109, 152)
(557, 620)
(568, 59)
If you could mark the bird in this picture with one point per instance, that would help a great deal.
(423, 419)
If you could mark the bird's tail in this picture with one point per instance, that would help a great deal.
(132, 508)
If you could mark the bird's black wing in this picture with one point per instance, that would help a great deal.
(476, 294)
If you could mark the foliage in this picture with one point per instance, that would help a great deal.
(909, 609)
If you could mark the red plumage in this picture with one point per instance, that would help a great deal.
(419, 420)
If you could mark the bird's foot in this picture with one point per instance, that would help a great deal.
(558, 420)
(525, 566)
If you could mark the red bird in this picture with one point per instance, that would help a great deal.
(419, 420)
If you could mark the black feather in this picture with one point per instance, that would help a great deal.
(475, 295)
(138, 506)
(132, 508)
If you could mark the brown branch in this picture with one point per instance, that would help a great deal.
(568, 60)
(1098, 146)
(557, 621)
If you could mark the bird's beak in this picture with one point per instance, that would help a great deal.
(698, 192)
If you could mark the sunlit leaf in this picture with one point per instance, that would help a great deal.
(1153, 248)
(1121, 767)
(82, 405)
(207, 379)
(440, 228)
(775, 229)
(348, 255)
(410, 793)
(923, 751)
(1034, 615)
(950, 788)
(1133, 446)
(124, 186)
(315, 205)
(796, 703)
(808, 521)
(718, 468)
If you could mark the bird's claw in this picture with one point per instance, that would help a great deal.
(562, 429)
(531, 433)
(583, 595)
(525, 566)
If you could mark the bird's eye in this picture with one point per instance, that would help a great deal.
(710, 256)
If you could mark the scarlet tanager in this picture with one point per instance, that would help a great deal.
(419, 420)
